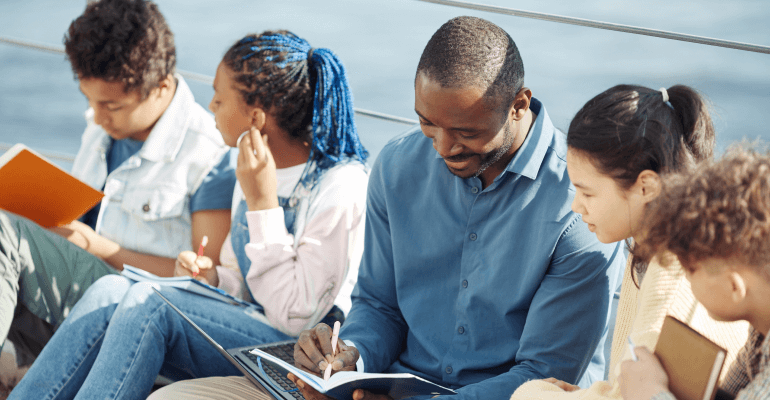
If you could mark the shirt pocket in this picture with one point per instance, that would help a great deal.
(156, 203)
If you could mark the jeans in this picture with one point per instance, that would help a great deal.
(121, 335)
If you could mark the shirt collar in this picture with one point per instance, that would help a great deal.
(529, 157)
(167, 135)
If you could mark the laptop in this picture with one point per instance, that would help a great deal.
(262, 373)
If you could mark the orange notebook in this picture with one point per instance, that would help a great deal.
(39, 190)
(692, 361)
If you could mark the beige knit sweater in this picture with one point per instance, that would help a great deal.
(664, 291)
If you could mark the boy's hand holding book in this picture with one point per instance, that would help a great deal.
(643, 378)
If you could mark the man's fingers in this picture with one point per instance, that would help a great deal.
(360, 394)
(308, 344)
(301, 360)
(307, 391)
(324, 336)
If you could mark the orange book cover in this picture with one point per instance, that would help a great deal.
(35, 188)
(692, 361)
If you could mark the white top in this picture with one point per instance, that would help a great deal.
(297, 278)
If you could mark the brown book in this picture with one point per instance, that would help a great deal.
(692, 361)
(35, 188)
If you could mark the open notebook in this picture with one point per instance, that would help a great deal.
(267, 365)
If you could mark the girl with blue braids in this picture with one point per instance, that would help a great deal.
(293, 249)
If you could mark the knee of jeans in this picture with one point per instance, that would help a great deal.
(105, 291)
(139, 294)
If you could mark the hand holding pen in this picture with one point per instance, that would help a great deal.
(314, 353)
(197, 265)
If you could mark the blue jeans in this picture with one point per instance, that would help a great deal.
(121, 335)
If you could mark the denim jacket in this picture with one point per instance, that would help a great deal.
(146, 207)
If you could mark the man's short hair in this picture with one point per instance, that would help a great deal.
(124, 41)
(469, 51)
(721, 210)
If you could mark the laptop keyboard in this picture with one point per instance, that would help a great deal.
(286, 353)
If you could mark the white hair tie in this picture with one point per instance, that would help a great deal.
(665, 94)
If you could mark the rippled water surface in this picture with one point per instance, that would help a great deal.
(380, 42)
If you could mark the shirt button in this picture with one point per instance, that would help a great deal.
(465, 283)
(146, 207)
(473, 236)
(448, 370)
(461, 330)
(474, 190)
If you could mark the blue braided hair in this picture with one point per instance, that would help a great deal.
(306, 91)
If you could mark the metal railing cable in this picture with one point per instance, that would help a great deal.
(194, 76)
(605, 25)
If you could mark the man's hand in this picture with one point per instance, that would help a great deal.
(87, 239)
(313, 352)
(644, 378)
(200, 268)
(567, 387)
(311, 394)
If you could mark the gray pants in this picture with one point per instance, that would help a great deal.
(42, 276)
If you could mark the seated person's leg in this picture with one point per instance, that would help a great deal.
(75, 344)
(214, 388)
(43, 272)
(144, 337)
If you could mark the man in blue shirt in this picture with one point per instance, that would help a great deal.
(476, 274)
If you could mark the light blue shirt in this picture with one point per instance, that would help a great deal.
(476, 289)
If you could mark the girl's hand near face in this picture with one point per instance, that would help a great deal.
(256, 171)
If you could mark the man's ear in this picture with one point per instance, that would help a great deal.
(258, 118)
(650, 185)
(521, 104)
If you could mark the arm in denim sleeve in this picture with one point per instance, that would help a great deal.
(375, 323)
(567, 317)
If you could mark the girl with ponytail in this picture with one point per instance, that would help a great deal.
(293, 250)
(619, 145)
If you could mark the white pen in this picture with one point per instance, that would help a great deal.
(335, 336)
(631, 346)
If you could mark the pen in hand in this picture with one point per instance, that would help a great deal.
(335, 337)
(631, 346)
(204, 242)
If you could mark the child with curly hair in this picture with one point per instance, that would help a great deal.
(621, 143)
(716, 222)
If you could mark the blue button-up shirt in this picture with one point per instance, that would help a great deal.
(481, 289)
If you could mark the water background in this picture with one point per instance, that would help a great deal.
(380, 42)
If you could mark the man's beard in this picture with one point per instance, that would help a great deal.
(494, 156)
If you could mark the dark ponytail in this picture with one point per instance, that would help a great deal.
(697, 130)
(629, 129)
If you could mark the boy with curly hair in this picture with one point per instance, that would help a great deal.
(154, 152)
(716, 221)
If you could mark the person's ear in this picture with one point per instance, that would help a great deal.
(738, 286)
(649, 184)
(258, 118)
(521, 104)
(165, 84)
